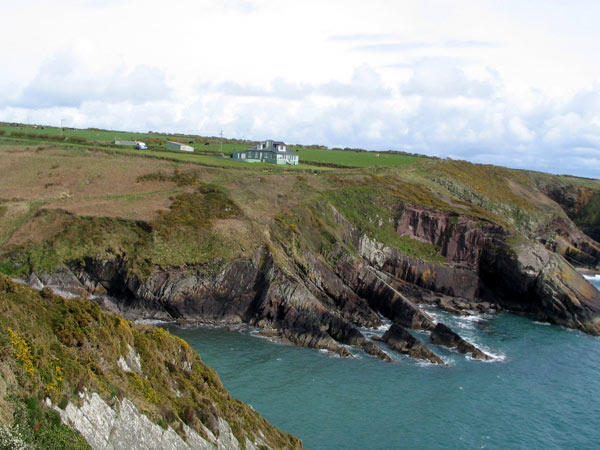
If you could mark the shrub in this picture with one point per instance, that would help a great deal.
(77, 139)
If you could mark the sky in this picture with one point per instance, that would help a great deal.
(510, 83)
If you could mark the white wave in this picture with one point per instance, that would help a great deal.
(474, 317)
(436, 316)
(384, 327)
(422, 363)
(153, 322)
(495, 355)
(465, 325)
(595, 277)
(331, 354)
(546, 324)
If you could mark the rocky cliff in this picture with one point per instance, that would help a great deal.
(322, 300)
(314, 259)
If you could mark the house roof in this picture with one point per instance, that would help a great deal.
(178, 143)
(271, 148)
(268, 150)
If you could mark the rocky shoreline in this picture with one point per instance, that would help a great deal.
(322, 303)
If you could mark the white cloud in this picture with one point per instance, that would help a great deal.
(64, 80)
(444, 77)
(491, 84)
(365, 83)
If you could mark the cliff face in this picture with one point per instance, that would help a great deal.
(461, 238)
(321, 302)
(580, 203)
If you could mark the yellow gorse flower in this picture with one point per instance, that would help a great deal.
(22, 351)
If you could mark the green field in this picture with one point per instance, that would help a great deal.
(158, 153)
(351, 158)
(203, 147)
(154, 140)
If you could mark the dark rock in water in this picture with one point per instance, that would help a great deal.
(374, 350)
(381, 296)
(403, 342)
(443, 335)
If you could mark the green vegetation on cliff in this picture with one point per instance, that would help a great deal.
(54, 348)
(66, 204)
(180, 235)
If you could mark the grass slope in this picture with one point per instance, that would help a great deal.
(62, 203)
(52, 347)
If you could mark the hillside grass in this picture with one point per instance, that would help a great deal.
(181, 235)
(207, 150)
(66, 203)
(104, 137)
(209, 160)
(54, 348)
(349, 158)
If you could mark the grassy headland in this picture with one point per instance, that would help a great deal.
(63, 202)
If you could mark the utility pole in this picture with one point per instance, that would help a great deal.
(221, 141)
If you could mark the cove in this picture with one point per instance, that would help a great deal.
(541, 391)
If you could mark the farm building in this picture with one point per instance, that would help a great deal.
(270, 151)
(172, 145)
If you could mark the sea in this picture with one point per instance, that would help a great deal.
(541, 391)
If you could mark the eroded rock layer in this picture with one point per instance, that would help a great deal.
(322, 302)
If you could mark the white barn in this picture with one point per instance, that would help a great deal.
(172, 145)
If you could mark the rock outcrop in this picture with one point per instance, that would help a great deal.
(527, 278)
(580, 203)
(461, 238)
(124, 426)
(443, 335)
(402, 341)
(543, 284)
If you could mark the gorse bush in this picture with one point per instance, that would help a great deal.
(187, 178)
(61, 347)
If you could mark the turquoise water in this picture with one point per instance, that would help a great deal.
(542, 391)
